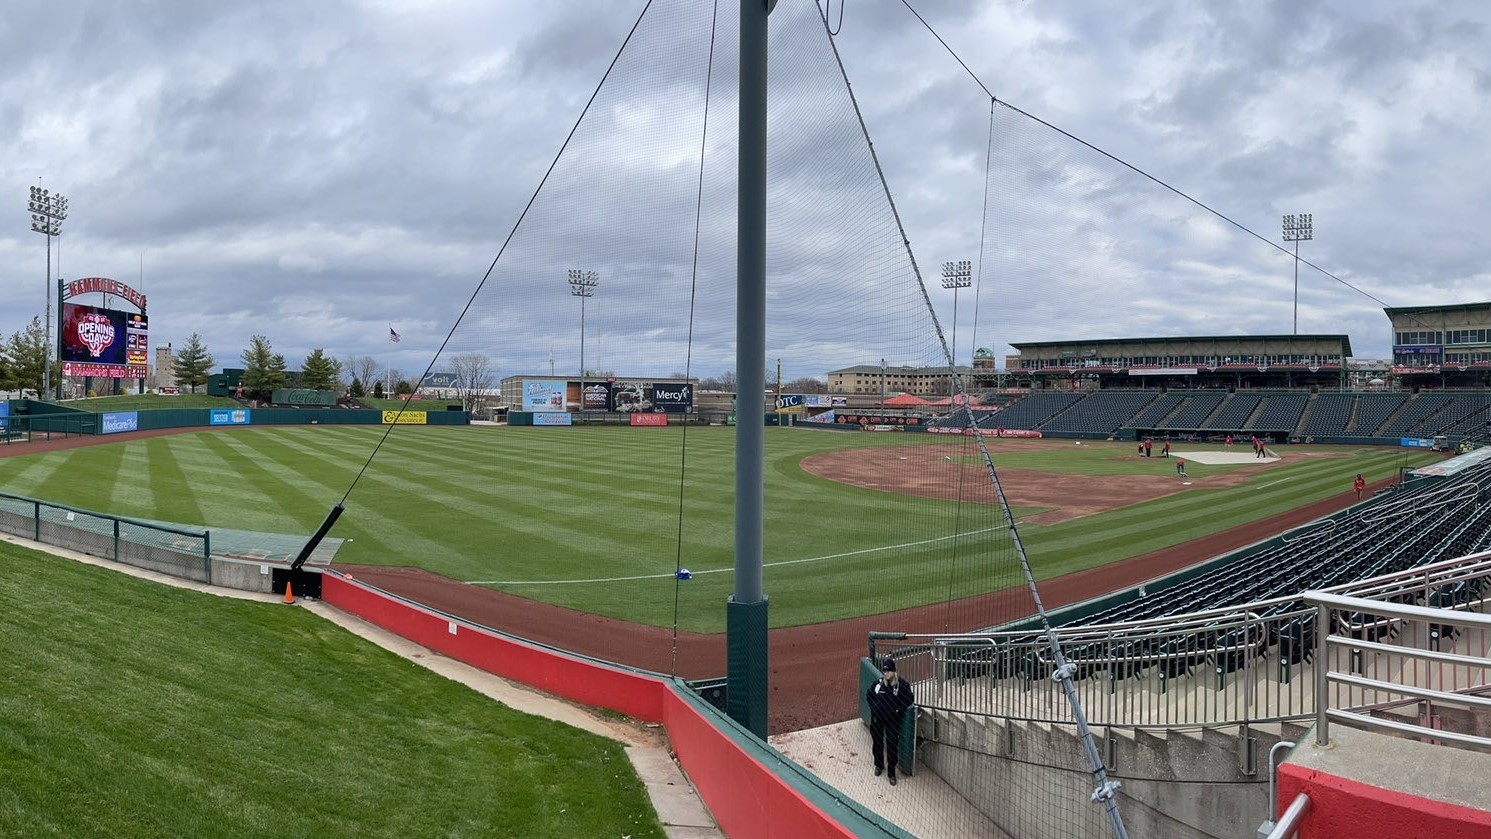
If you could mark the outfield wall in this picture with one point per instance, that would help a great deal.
(749, 787)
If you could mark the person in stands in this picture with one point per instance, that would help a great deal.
(888, 698)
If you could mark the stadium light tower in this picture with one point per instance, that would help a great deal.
(48, 210)
(1298, 228)
(582, 285)
(956, 275)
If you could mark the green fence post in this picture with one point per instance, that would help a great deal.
(207, 554)
(36, 521)
(116, 540)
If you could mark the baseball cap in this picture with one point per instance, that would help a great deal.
(889, 665)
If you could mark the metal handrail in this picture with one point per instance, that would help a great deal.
(1325, 603)
(1289, 823)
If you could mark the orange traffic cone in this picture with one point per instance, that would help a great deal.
(289, 592)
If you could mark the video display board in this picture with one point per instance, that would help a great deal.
(104, 343)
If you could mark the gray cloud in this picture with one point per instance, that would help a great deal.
(316, 172)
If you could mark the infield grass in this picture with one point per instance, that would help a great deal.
(136, 710)
(589, 517)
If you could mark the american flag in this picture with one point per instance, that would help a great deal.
(393, 337)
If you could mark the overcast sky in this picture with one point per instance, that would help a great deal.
(319, 172)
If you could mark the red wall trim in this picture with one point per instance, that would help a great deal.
(1340, 807)
(745, 796)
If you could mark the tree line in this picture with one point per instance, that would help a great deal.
(265, 371)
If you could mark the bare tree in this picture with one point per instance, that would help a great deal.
(474, 375)
(807, 384)
(363, 368)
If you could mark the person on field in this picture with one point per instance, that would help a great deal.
(1165, 449)
(888, 698)
(1180, 468)
(1148, 448)
(1359, 485)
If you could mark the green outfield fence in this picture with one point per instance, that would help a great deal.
(32, 420)
(156, 547)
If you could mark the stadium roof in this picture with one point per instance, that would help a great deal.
(1430, 310)
(1344, 339)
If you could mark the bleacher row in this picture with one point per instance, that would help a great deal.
(1413, 527)
(1275, 415)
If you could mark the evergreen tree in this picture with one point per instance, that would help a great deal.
(356, 390)
(378, 390)
(26, 358)
(259, 380)
(193, 364)
(320, 371)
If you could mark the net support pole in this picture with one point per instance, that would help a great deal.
(746, 611)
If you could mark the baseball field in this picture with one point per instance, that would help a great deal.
(600, 519)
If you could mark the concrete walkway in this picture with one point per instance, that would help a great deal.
(677, 803)
(922, 805)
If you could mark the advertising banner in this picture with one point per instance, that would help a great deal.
(649, 420)
(1415, 443)
(672, 399)
(627, 397)
(4, 412)
(596, 397)
(553, 419)
(818, 400)
(119, 422)
(439, 380)
(405, 418)
(789, 403)
(876, 419)
(543, 395)
(228, 416)
(104, 371)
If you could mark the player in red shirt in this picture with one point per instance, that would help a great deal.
(1359, 485)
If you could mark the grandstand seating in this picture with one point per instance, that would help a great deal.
(1102, 412)
(1157, 410)
(1234, 413)
(1373, 409)
(1465, 411)
(1331, 415)
(1414, 413)
(1281, 413)
(1197, 408)
(1437, 520)
(1031, 411)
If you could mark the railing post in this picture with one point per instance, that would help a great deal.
(116, 540)
(207, 554)
(36, 521)
(1322, 675)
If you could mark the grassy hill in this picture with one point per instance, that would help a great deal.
(135, 710)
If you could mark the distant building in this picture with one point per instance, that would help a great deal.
(874, 379)
(164, 374)
(1442, 346)
(1235, 361)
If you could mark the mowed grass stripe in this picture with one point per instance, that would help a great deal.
(138, 710)
(587, 503)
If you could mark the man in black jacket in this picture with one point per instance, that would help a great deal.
(888, 699)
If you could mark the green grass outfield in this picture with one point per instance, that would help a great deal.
(130, 709)
(534, 511)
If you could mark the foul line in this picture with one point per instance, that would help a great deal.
(727, 570)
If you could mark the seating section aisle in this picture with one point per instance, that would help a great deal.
(1234, 413)
(1417, 412)
(1281, 413)
(1373, 409)
(1157, 410)
(1331, 415)
(1102, 412)
(1196, 410)
(1031, 411)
